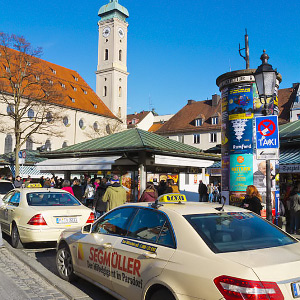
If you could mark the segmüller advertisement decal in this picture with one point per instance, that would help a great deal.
(241, 171)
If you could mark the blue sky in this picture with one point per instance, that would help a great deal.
(176, 49)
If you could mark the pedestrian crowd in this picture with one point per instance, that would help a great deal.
(210, 192)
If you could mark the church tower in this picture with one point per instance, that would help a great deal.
(111, 80)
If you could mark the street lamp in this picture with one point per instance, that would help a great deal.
(265, 78)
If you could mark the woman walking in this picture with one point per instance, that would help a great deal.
(252, 200)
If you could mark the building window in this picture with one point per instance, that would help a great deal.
(49, 117)
(120, 55)
(81, 124)
(30, 113)
(298, 116)
(65, 144)
(51, 82)
(37, 77)
(105, 91)
(48, 145)
(198, 122)
(10, 109)
(29, 144)
(8, 144)
(63, 85)
(53, 71)
(181, 138)
(66, 121)
(213, 137)
(74, 88)
(106, 54)
(196, 138)
(214, 120)
(96, 126)
(120, 91)
(85, 92)
(119, 113)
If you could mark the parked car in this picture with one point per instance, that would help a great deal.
(40, 214)
(5, 187)
(182, 250)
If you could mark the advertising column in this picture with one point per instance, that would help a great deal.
(240, 106)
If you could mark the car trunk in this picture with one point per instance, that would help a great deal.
(61, 217)
(277, 264)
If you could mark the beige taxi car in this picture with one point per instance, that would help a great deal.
(174, 249)
(40, 214)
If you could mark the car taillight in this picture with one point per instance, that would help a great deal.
(37, 220)
(91, 219)
(235, 288)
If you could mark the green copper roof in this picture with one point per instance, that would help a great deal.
(113, 10)
(131, 140)
(290, 131)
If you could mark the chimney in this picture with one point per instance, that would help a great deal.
(215, 100)
(191, 101)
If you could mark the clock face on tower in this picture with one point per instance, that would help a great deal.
(106, 32)
(121, 32)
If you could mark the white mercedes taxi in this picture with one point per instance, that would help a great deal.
(40, 214)
(183, 250)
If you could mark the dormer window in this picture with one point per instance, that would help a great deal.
(76, 78)
(72, 99)
(37, 77)
(214, 120)
(198, 122)
(53, 71)
(74, 88)
(63, 85)
(85, 92)
(51, 82)
(7, 69)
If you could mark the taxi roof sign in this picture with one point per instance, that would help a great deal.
(33, 185)
(173, 198)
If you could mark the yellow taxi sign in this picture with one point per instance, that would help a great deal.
(33, 185)
(172, 198)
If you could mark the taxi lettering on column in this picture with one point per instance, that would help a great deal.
(101, 261)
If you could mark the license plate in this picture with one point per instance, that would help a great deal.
(66, 220)
(296, 289)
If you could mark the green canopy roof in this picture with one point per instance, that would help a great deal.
(290, 132)
(130, 140)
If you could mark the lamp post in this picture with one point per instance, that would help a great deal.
(265, 78)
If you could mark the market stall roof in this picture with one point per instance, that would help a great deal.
(31, 157)
(290, 132)
(131, 140)
(289, 155)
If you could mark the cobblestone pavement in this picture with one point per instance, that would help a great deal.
(19, 282)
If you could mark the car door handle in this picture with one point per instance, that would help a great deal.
(107, 245)
(149, 255)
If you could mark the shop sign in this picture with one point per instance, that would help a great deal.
(289, 168)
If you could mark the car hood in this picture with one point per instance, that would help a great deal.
(270, 264)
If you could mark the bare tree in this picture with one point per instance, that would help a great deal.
(29, 92)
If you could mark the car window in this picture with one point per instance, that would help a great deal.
(15, 199)
(237, 231)
(5, 187)
(115, 222)
(51, 199)
(7, 197)
(151, 226)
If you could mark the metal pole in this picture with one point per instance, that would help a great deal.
(268, 177)
(268, 195)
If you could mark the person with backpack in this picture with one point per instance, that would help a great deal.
(89, 194)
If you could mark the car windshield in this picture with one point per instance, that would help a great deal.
(51, 199)
(5, 187)
(237, 231)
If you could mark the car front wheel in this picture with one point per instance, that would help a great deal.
(15, 238)
(64, 263)
(162, 294)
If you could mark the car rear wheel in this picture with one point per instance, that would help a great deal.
(64, 263)
(162, 294)
(15, 238)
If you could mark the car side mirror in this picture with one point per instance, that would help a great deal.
(86, 229)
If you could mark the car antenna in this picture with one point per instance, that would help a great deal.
(156, 205)
(222, 207)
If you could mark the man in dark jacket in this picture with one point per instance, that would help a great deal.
(77, 190)
(99, 206)
(202, 190)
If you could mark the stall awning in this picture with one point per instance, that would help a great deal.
(78, 164)
(31, 171)
(182, 161)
